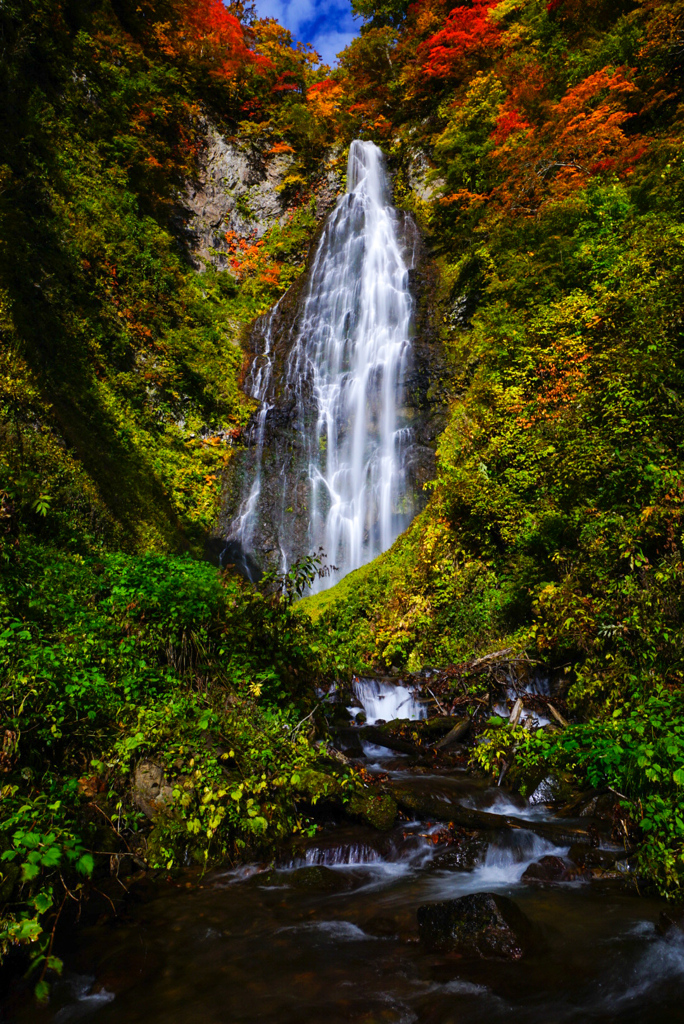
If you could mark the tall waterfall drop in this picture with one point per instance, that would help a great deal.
(341, 472)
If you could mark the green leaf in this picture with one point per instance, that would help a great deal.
(134, 741)
(85, 864)
(51, 857)
(42, 991)
(42, 902)
(55, 964)
(205, 719)
(25, 931)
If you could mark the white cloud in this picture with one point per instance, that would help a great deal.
(272, 9)
(293, 14)
(329, 44)
(327, 24)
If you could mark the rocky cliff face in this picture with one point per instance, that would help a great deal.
(421, 176)
(241, 187)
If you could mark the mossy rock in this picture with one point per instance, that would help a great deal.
(481, 925)
(378, 809)
(524, 779)
(318, 878)
(313, 877)
(318, 784)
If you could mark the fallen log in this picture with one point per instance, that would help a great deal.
(455, 735)
(374, 734)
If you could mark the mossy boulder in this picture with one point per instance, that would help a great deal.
(317, 878)
(547, 869)
(377, 808)
(483, 925)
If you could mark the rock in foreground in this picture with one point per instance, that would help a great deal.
(548, 869)
(482, 925)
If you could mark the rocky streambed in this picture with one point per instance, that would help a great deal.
(474, 905)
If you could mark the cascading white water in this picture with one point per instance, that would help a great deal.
(386, 702)
(352, 347)
(258, 386)
(344, 376)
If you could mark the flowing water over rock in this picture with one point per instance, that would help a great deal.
(258, 385)
(333, 433)
(386, 701)
(330, 932)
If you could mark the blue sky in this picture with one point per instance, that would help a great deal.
(327, 24)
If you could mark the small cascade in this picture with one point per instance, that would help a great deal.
(402, 850)
(507, 858)
(257, 386)
(505, 861)
(386, 701)
(337, 478)
(536, 687)
(344, 855)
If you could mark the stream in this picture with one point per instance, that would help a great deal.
(329, 934)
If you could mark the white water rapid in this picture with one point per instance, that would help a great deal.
(344, 488)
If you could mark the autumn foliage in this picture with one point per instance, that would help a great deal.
(468, 36)
(204, 33)
(585, 134)
(508, 122)
(209, 24)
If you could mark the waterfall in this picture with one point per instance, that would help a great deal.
(343, 375)
(386, 701)
(257, 385)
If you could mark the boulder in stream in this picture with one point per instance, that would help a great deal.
(483, 925)
(317, 878)
(463, 851)
(547, 869)
(377, 808)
